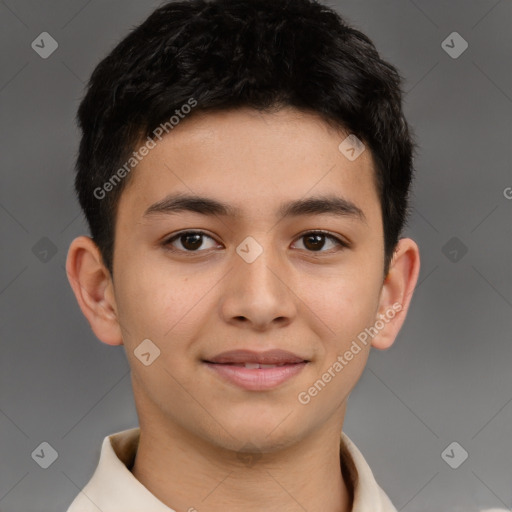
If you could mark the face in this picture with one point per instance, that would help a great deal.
(256, 271)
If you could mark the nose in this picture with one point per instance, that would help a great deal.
(258, 294)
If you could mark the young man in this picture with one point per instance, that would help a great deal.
(244, 170)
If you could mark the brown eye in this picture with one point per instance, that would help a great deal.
(315, 241)
(190, 241)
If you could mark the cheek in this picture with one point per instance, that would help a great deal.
(168, 310)
(149, 303)
(165, 311)
(346, 304)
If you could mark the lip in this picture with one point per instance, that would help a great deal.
(275, 356)
(259, 379)
(229, 366)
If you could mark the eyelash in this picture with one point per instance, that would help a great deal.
(167, 243)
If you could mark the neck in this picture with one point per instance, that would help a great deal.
(187, 473)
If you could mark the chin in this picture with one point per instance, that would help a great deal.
(267, 434)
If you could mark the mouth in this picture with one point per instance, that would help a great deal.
(256, 371)
(274, 357)
(254, 366)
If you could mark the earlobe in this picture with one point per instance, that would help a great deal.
(397, 292)
(92, 285)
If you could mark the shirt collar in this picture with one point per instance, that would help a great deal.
(113, 488)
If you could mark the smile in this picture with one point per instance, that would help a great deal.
(255, 376)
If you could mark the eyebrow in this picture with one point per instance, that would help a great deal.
(330, 204)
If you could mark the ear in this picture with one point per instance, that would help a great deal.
(396, 293)
(94, 290)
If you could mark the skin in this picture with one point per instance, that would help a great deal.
(194, 305)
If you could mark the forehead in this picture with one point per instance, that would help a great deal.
(255, 162)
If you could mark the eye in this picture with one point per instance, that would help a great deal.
(315, 241)
(190, 241)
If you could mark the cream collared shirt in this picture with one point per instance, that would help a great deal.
(113, 488)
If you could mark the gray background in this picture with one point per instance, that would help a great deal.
(447, 378)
